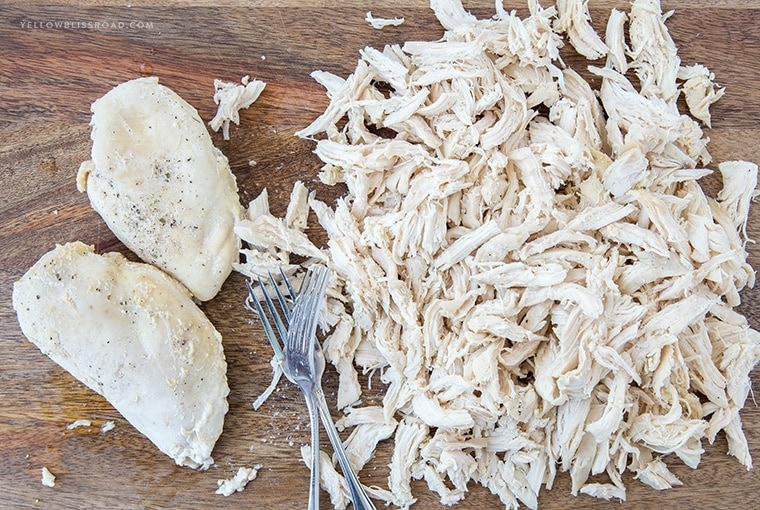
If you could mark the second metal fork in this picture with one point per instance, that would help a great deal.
(299, 361)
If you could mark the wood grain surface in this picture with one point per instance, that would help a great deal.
(49, 75)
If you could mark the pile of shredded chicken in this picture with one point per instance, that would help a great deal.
(530, 264)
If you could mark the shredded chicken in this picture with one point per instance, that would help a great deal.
(739, 189)
(78, 423)
(615, 40)
(530, 264)
(230, 99)
(331, 481)
(654, 56)
(699, 89)
(380, 23)
(574, 19)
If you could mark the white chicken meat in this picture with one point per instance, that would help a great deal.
(527, 258)
(133, 334)
(161, 186)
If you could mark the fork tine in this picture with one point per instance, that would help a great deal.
(312, 292)
(280, 297)
(291, 292)
(251, 296)
(268, 329)
(295, 338)
(282, 329)
(254, 304)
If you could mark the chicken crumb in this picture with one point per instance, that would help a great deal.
(238, 482)
(107, 426)
(48, 478)
(78, 423)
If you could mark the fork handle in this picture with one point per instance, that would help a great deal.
(313, 408)
(359, 496)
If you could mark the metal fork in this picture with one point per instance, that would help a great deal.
(299, 361)
(358, 495)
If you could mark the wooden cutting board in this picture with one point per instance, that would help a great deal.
(58, 58)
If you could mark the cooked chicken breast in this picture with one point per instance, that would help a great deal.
(161, 186)
(134, 335)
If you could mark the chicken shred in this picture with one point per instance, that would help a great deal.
(653, 52)
(614, 38)
(574, 19)
(529, 263)
(230, 99)
(699, 90)
(380, 23)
